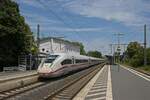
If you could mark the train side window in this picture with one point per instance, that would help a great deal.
(66, 61)
(85, 61)
(81, 61)
(78, 61)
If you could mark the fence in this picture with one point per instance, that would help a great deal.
(30, 62)
(26, 62)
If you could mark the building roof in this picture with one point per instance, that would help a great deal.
(47, 39)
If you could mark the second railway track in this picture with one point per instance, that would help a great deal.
(50, 90)
(17, 81)
(72, 88)
(14, 92)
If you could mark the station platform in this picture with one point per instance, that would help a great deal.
(99, 88)
(4, 76)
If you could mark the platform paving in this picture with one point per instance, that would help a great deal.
(128, 85)
(96, 89)
(16, 74)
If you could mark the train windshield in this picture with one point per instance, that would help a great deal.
(51, 58)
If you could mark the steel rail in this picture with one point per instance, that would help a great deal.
(44, 91)
(17, 91)
(76, 85)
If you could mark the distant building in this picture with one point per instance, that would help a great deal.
(57, 45)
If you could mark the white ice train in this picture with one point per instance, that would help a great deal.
(58, 64)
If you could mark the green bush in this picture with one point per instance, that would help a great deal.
(137, 60)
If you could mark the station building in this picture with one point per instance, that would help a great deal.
(46, 46)
(57, 45)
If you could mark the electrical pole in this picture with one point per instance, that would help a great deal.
(38, 36)
(38, 43)
(118, 47)
(112, 47)
(111, 60)
(118, 37)
(145, 53)
(114, 55)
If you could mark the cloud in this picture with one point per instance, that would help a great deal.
(34, 19)
(32, 3)
(101, 44)
(133, 13)
(65, 29)
(128, 12)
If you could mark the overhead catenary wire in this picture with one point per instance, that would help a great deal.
(57, 2)
(59, 18)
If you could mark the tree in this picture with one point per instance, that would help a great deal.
(96, 54)
(148, 55)
(133, 48)
(15, 34)
(82, 50)
(135, 54)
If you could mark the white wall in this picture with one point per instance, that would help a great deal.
(58, 47)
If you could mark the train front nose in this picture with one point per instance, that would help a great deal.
(45, 70)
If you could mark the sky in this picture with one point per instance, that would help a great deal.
(95, 23)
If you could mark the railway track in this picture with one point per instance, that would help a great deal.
(17, 91)
(16, 82)
(71, 89)
(52, 89)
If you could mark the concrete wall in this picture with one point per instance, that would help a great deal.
(58, 46)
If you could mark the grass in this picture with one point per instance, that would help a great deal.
(142, 68)
(145, 68)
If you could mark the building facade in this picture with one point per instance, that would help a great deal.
(56, 45)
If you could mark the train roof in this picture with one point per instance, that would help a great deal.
(76, 56)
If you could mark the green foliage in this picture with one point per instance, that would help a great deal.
(34, 49)
(136, 61)
(148, 56)
(133, 48)
(146, 68)
(82, 50)
(96, 54)
(15, 34)
(135, 54)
